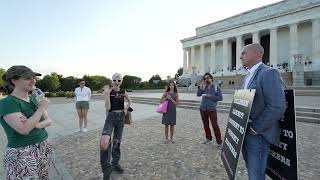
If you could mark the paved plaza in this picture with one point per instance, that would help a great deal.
(145, 156)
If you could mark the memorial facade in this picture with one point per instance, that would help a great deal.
(288, 30)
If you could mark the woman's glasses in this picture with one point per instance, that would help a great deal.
(116, 80)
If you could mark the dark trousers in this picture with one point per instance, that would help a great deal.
(114, 123)
(212, 115)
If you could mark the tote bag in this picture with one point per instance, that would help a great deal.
(163, 107)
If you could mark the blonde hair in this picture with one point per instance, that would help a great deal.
(116, 75)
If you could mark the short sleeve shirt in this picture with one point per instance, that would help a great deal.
(12, 104)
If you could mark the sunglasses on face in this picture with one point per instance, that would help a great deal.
(116, 80)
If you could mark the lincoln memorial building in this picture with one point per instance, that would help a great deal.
(289, 32)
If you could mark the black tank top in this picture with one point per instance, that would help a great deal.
(117, 100)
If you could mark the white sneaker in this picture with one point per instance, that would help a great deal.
(78, 130)
(207, 141)
(84, 130)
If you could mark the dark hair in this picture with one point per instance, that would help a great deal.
(207, 74)
(8, 85)
(82, 80)
(175, 87)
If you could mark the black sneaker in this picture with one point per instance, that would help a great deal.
(117, 168)
(107, 173)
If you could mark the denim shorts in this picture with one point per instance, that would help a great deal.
(82, 105)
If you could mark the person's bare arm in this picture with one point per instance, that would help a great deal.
(107, 103)
(24, 126)
(129, 102)
(46, 122)
(163, 97)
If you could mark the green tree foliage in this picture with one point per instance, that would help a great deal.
(154, 77)
(130, 82)
(49, 83)
(179, 73)
(68, 83)
(96, 83)
(2, 82)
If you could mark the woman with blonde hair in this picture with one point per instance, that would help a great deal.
(114, 124)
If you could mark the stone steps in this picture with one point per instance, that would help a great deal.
(298, 92)
(303, 114)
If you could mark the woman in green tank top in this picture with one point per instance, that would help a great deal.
(24, 119)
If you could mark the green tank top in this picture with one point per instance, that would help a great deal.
(12, 104)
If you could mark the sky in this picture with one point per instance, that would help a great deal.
(100, 37)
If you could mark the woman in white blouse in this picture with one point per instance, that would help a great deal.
(83, 95)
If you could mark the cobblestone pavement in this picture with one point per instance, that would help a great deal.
(145, 156)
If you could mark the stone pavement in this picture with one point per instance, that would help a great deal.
(65, 122)
(145, 156)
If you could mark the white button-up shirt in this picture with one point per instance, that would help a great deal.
(250, 74)
(83, 94)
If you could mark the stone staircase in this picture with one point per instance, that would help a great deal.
(303, 114)
(299, 91)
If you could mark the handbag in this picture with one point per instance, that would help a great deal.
(163, 107)
(128, 117)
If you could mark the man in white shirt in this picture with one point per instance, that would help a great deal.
(83, 95)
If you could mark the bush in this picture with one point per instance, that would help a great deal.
(68, 94)
(61, 94)
(50, 94)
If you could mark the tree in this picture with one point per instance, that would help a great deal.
(130, 82)
(96, 83)
(179, 73)
(49, 83)
(155, 77)
(2, 82)
(69, 83)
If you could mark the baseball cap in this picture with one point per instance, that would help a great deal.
(19, 71)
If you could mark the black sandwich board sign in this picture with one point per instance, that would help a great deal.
(236, 128)
(282, 160)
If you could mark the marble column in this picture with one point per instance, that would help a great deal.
(293, 43)
(225, 56)
(202, 59)
(255, 37)
(185, 62)
(189, 61)
(274, 47)
(239, 47)
(316, 43)
(213, 67)
(193, 60)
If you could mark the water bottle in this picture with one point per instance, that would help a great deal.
(38, 93)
